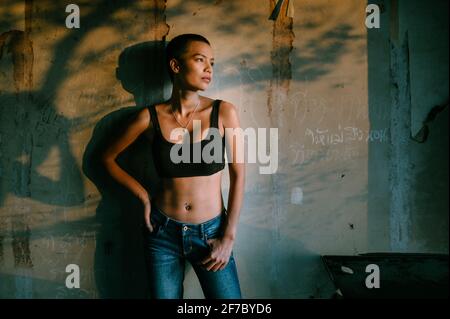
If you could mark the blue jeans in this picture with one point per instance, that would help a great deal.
(172, 243)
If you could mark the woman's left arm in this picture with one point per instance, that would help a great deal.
(221, 248)
(236, 167)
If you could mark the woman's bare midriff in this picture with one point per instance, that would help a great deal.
(191, 199)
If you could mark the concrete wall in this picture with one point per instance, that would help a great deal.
(408, 92)
(336, 91)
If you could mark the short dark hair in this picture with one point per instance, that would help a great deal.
(177, 46)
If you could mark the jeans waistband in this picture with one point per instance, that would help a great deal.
(166, 221)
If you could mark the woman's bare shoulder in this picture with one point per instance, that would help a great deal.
(228, 114)
(143, 119)
(227, 109)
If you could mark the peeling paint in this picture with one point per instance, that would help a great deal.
(283, 37)
(282, 45)
(161, 28)
(21, 245)
(422, 135)
(297, 196)
(19, 45)
(400, 167)
(282, 40)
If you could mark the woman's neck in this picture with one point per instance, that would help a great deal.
(184, 101)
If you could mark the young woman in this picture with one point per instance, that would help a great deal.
(187, 220)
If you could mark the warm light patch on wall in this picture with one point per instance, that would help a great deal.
(51, 167)
(16, 11)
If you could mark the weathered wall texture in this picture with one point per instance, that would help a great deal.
(408, 178)
(349, 178)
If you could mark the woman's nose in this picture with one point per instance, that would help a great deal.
(209, 67)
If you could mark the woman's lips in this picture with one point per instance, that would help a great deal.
(206, 79)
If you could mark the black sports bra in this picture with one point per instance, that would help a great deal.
(161, 151)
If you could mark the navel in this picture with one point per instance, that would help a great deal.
(187, 206)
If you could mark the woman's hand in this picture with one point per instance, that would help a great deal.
(147, 209)
(219, 255)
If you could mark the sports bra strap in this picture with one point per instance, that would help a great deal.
(154, 117)
(215, 114)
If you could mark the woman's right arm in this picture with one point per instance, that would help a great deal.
(135, 128)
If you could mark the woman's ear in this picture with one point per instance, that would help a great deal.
(174, 65)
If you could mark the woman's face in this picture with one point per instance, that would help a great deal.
(196, 66)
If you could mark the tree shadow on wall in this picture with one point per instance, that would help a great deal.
(34, 139)
(119, 258)
(34, 134)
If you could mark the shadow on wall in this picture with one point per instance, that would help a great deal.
(32, 133)
(31, 130)
(119, 258)
(315, 60)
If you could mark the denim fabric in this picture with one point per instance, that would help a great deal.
(172, 243)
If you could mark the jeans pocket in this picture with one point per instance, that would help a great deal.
(157, 227)
(213, 233)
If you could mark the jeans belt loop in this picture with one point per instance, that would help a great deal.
(202, 231)
(166, 221)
